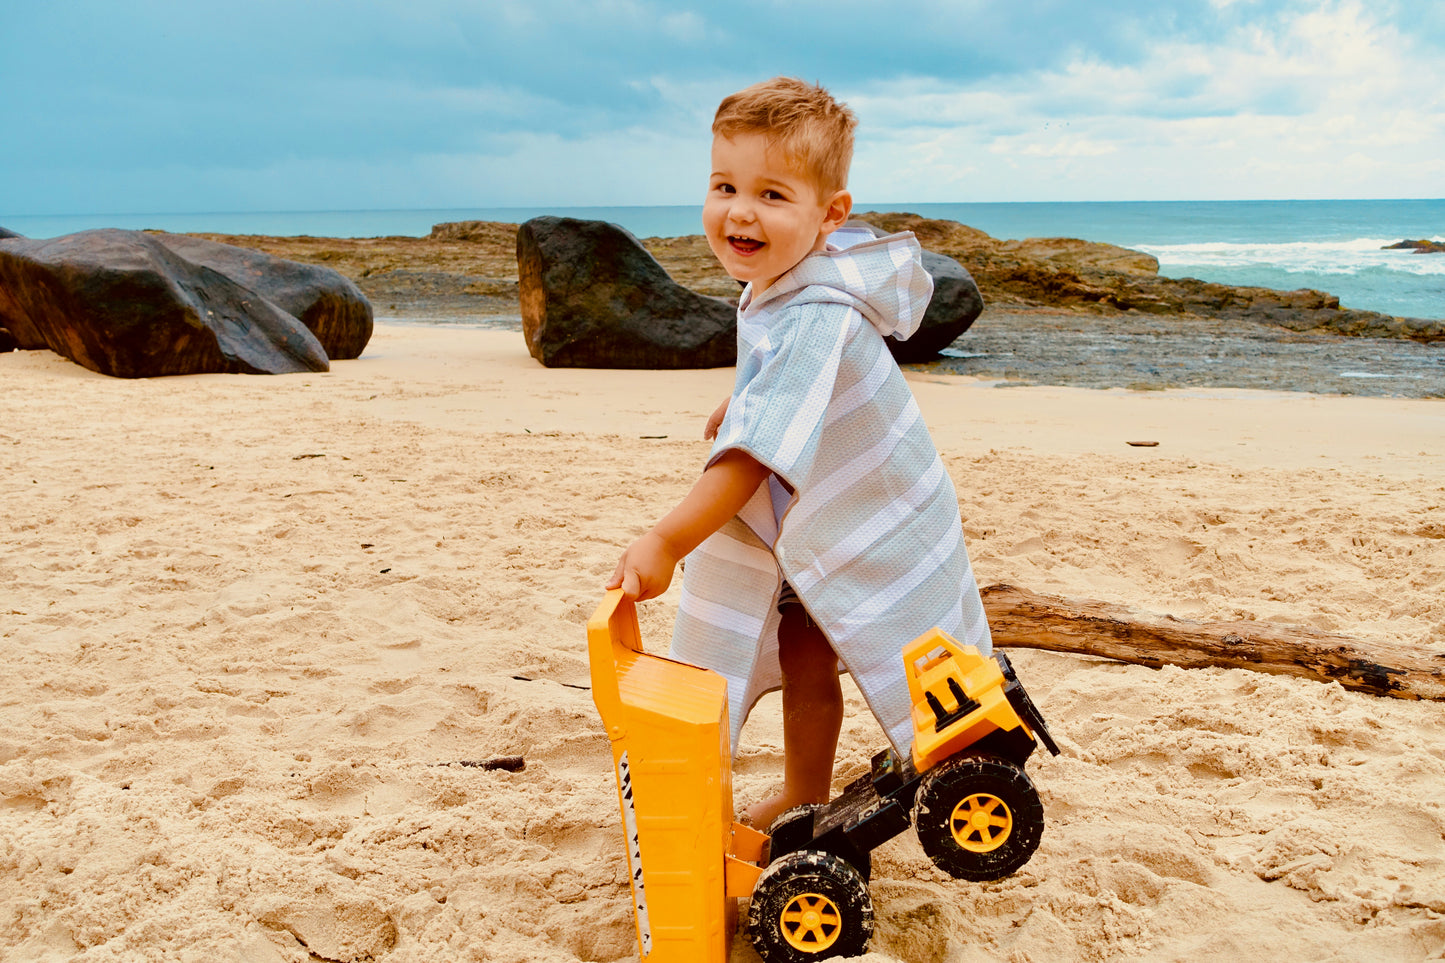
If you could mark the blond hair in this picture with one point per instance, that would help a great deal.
(813, 131)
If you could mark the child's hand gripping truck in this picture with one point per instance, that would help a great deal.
(964, 790)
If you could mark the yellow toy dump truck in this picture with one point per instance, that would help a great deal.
(963, 789)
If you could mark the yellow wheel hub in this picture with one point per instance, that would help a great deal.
(810, 922)
(981, 823)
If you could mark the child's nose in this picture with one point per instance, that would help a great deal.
(741, 210)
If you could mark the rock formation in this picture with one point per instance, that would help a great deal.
(1419, 247)
(592, 297)
(467, 268)
(955, 305)
(329, 304)
(1068, 273)
(7, 340)
(479, 232)
(132, 304)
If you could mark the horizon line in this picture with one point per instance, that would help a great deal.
(871, 205)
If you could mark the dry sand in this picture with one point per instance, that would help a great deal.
(248, 620)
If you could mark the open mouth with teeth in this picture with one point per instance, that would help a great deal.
(744, 245)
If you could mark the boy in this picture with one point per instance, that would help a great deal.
(824, 526)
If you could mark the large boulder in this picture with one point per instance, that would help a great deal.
(593, 297)
(6, 232)
(328, 303)
(956, 304)
(124, 303)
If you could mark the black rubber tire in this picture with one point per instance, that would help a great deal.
(778, 831)
(978, 784)
(788, 817)
(810, 882)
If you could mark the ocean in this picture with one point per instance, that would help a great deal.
(1332, 246)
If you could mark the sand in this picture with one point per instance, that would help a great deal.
(249, 621)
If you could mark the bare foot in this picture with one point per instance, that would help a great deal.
(760, 815)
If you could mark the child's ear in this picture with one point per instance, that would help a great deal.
(837, 211)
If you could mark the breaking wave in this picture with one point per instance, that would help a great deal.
(1365, 254)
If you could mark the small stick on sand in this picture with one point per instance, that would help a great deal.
(508, 763)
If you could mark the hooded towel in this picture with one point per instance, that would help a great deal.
(859, 516)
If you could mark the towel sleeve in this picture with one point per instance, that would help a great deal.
(784, 385)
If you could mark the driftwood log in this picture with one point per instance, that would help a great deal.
(1022, 619)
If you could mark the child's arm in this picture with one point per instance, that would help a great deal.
(645, 569)
(715, 420)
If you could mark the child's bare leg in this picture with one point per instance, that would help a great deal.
(812, 717)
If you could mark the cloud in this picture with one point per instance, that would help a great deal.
(160, 103)
(1272, 107)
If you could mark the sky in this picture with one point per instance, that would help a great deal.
(312, 105)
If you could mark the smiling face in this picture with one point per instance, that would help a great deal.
(762, 215)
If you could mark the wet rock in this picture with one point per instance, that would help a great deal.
(6, 232)
(329, 304)
(123, 303)
(1419, 247)
(1040, 346)
(955, 305)
(593, 297)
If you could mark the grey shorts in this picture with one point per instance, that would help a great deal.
(787, 598)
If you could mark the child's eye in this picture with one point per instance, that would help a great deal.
(725, 189)
(773, 196)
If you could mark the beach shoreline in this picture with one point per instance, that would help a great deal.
(1042, 347)
(253, 623)
(465, 273)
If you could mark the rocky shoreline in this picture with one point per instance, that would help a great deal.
(1032, 346)
(1058, 311)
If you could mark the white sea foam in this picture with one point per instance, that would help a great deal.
(1300, 257)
